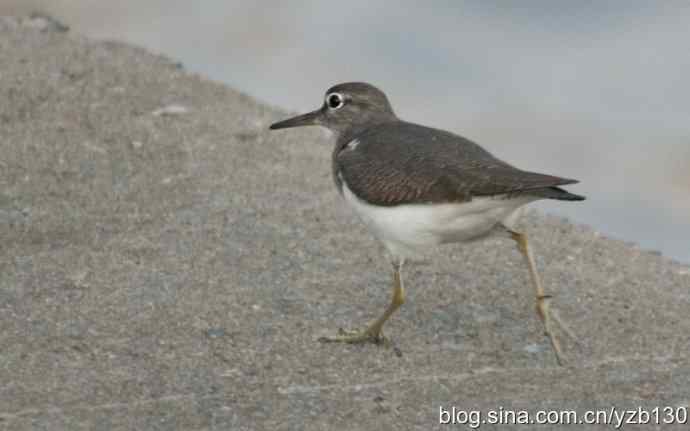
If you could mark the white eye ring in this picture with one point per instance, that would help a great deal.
(334, 101)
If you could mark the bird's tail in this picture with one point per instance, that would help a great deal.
(557, 193)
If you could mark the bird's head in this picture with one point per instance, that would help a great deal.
(347, 106)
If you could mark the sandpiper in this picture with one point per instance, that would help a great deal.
(416, 187)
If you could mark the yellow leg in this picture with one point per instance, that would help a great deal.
(374, 332)
(542, 303)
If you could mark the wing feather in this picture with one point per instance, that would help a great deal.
(403, 163)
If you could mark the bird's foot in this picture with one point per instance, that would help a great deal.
(368, 335)
(548, 318)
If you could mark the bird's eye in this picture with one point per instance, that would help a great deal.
(334, 100)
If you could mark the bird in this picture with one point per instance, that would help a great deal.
(416, 187)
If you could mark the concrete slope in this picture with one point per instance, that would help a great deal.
(167, 263)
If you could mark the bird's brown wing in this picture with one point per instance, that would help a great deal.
(404, 163)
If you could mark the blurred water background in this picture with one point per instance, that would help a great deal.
(598, 91)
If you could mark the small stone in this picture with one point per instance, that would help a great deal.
(215, 332)
(534, 348)
(45, 23)
(170, 110)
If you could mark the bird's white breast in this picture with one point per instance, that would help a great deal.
(406, 230)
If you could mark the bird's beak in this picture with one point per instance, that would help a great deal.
(308, 119)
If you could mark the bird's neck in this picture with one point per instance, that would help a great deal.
(353, 130)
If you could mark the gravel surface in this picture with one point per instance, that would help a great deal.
(167, 263)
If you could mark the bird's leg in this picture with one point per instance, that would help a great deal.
(374, 332)
(542, 298)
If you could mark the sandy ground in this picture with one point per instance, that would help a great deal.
(166, 263)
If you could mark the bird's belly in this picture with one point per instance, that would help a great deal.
(407, 229)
